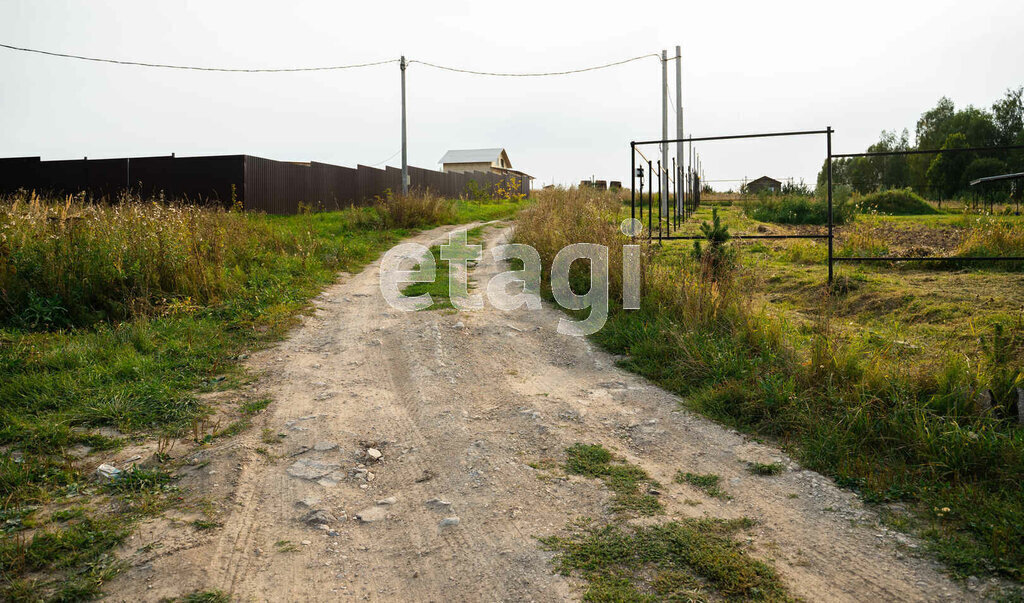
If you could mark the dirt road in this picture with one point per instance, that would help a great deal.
(459, 405)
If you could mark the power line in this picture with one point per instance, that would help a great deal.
(386, 160)
(326, 67)
(195, 68)
(537, 74)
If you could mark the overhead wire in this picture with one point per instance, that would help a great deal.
(325, 67)
(535, 74)
(194, 67)
(386, 160)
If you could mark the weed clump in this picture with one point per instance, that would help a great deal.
(766, 469)
(686, 560)
(708, 483)
(630, 483)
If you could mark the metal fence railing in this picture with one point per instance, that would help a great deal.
(686, 200)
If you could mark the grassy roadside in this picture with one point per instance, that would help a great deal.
(899, 427)
(112, 320)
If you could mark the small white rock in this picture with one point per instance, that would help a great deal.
(108, 472)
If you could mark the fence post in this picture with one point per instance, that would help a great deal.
(650, 189)
(632, 180)
(661, 199)
(828, 134)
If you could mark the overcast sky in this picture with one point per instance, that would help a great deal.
(747, 67)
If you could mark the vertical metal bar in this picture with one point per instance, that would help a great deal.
(661, 199)
(650, 187)
(689, 179)
(405, 155)
(675, 206)
(632, 181)
(831, 236)
(679, 198)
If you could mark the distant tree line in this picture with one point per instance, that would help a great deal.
(944, 175)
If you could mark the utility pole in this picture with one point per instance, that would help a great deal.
(405, 154)
(679, 116)
(663, 202)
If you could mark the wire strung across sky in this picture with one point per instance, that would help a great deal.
(326, 67)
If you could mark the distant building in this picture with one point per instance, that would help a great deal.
(495, 161)
(764, 183)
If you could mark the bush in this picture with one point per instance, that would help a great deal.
(897, 202)
(797, 209)
(415, 210)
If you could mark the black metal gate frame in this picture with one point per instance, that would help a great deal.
(688, 211)
(829, 235)
(920, 258)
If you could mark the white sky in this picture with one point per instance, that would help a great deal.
(747, 67)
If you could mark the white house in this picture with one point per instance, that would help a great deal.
(479, 160)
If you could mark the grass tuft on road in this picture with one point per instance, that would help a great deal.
(708, 483)
(630, 483)
(683, 560)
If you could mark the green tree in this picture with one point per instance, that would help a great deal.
(934, 128)
(1008, 114)
(945, 174)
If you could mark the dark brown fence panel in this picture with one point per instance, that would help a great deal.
(154, 177)
(334, 186)
(210, 180)
(277, 187)
(370, 182)
(260, 184)
(207, 179)
(392, 180)
(19, 173)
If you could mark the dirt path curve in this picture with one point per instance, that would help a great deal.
(459, 404)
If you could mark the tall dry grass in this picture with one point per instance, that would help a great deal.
(415, 210)
(71, 262)
(990, 237)
(560, 217)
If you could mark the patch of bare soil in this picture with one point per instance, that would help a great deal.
(903, 239)
(395, 424)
